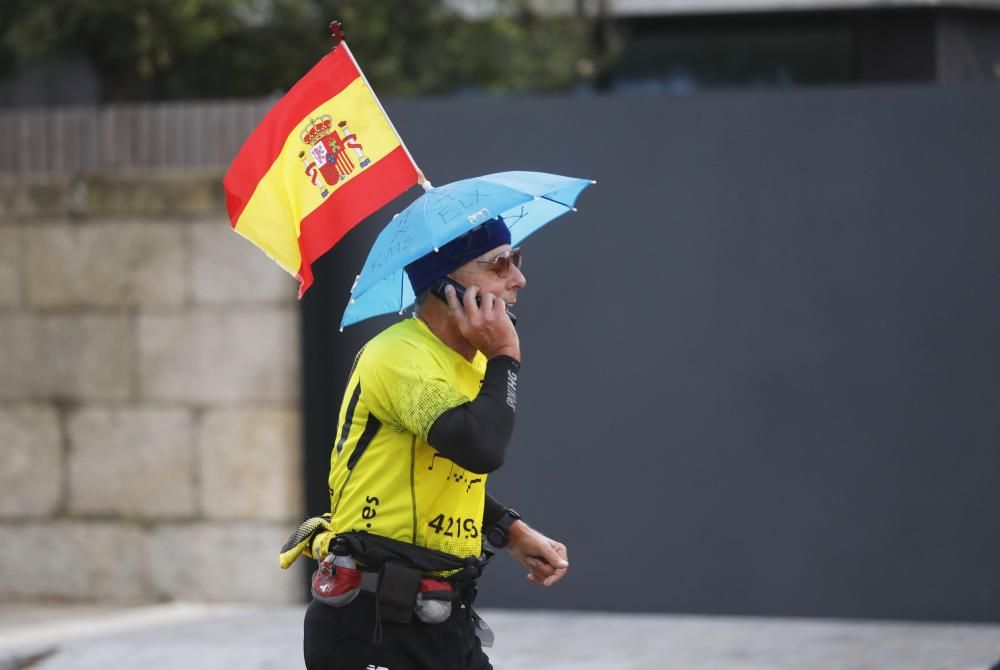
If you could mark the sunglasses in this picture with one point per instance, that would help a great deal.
(503, 263)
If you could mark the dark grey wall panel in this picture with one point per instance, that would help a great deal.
(761, 372)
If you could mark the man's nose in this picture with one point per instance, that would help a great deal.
(518, 278)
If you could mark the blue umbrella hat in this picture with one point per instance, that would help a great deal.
(524, 201)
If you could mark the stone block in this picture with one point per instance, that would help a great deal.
(31, 461)
(105, 264)
(10, 266)
(251, 465)
(235, 562)
(74, 560)
(31, 197)
(153, 193)
(132, 463)
(227, 268)
(251, 355)
(85, 357)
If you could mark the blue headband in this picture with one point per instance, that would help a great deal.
(473, 244)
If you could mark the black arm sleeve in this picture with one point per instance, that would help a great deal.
(493, 509)
(475, 434)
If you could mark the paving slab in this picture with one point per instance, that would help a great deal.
(194, 636)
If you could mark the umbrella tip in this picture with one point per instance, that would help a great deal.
(574, 209)
(341, 329)
(436, 250)
(593, 181)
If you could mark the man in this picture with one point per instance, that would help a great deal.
(427, 415)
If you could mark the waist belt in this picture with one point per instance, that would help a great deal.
(441, 590)
(400, 592)
(374, 552)
(369, 582)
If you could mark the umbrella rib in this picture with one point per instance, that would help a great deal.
(425, 204)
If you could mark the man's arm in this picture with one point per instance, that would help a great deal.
(493, 509)
(546, 559)
(475, 434)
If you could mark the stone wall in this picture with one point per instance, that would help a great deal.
(149, 395)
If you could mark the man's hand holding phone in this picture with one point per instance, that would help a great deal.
(485, 325)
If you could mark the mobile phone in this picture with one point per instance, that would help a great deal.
(437, 289)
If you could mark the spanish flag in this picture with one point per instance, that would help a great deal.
(324, 157)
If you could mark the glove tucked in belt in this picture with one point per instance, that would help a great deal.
(311, 538)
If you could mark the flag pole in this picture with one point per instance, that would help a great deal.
(336, 29)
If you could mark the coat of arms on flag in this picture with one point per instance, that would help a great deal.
(328, 159)
(303, 178)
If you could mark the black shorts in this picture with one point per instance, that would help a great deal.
(340, 638)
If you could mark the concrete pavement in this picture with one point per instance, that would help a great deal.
(226, 637)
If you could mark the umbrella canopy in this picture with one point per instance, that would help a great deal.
(525, 200)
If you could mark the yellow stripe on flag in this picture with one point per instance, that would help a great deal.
(286, 195)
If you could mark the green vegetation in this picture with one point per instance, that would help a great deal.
(211, 49)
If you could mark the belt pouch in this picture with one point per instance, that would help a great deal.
(397, 592)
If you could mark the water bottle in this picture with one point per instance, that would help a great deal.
(434, 601)
(337, 581)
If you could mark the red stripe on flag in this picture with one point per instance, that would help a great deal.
(325, 80)
(349, 205)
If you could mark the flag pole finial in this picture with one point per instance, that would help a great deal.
(337, 33)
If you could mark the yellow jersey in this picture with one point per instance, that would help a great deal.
(385, 478)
